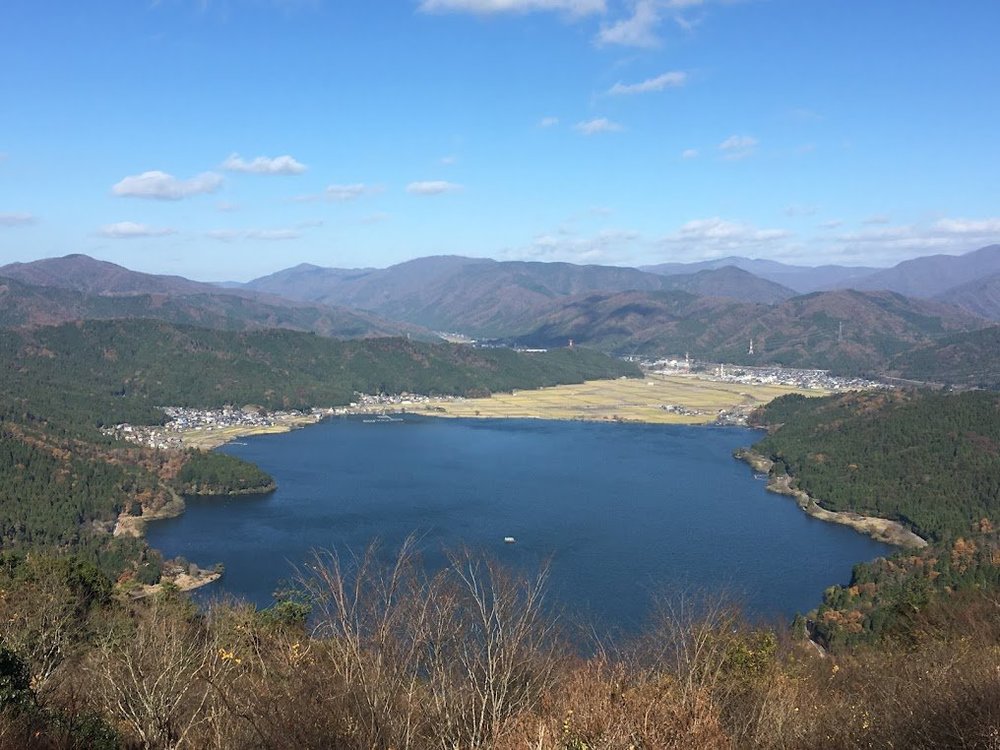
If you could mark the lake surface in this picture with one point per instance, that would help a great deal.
(621, 511)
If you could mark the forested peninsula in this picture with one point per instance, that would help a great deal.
(927, 460)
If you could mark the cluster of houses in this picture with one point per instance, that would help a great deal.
(182, 420)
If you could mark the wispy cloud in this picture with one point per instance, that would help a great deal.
(267, 235)
(432, 187)
(673, 79)
(376, 218)
(689, 153)
(876, 219)
(715, 236)
(226, 206)
(642, 27)
(573, 8)
(738, 146)
(449, 161)
(162, 186)
(17, 219)
(891, 243)
(800, 209)
(597, 125)
(638, 30)
(264, 165)
(125, 230)
(344, 193)
(607, 246)
(974, 227)
(548, 122)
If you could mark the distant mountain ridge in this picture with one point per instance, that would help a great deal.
(931, 276)
(77, 287)
(484, 297)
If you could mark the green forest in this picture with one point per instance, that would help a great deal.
(930, 460)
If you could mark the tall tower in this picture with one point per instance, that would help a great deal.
(750, 351)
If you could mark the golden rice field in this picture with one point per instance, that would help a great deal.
(631, 400)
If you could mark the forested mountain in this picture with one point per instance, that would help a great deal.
(928, 460)
(979, 297)
(23, 304)
(487, 298)
(729, 282)
(964, 359)
(934, 275)
(82, 273)
(803, 279)
(925, 277)
(844, 331)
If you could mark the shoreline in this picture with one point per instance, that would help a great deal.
(879, 529)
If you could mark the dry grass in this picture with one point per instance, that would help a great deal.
(627, 400)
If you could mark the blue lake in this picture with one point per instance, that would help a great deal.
(621, 512)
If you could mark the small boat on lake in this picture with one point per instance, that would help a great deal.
(509, 540)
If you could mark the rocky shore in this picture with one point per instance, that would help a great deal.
(880, 529)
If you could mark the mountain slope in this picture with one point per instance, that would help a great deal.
(802, 279)
(934, 274)
(979, 297)
(729, 282)
(30, 305)
(967, 359)
(82, 273)
(803, 332)
(485, 297)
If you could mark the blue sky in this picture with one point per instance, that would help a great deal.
(225, 139)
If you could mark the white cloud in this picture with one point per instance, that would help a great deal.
(597, 125)
(124, 230)
(738, 146)
(264, 165)
(376, 218)
(638, 30)
(832, 224)
(974, 227)
(432, 187)
(574, 8)
(162, 186)
(659, 83)
(230, 235)
(890, 244)
(715, 236)
(344, 193)
(607, 246)
(17, 219)
(689, 153)
(548, 122)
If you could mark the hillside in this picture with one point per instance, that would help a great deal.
(82, 273)
(979, 297)
(101, 372)
(486, 298)
(23, 304)
(932, 275)
(928, 460)
(963, 359)
(803, 279)
(729, 282)
(801, 332)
